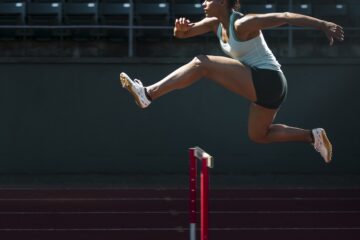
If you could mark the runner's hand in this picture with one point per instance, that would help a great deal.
(333, 31)
(183, 24)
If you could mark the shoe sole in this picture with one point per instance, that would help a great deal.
(328, 147)
(126, 83)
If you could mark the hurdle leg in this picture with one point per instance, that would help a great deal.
(204, 191)
(192, 193)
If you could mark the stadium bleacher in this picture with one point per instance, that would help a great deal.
(148, 19)
(154, 13)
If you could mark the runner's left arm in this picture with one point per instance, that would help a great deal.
(255, 22)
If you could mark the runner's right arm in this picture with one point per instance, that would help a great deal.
(184, 28)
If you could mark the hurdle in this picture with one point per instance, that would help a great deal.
(207, 161)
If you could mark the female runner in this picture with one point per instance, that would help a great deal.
(251, 70)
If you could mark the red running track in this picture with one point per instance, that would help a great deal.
(137, 214)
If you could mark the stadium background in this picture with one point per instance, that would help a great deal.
(65, 117)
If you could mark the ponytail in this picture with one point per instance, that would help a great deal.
(234, 4)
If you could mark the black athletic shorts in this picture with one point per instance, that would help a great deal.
(270, 87)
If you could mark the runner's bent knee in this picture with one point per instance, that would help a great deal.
(258, 137)
(201, 62)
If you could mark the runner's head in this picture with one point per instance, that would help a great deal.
(214, 8)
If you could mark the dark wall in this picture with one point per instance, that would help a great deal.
(75, 118)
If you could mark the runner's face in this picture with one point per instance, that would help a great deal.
(212, 7)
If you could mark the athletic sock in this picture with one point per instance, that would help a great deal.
(312, 136)
(147, 95)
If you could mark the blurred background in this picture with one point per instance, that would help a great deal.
(66, 120)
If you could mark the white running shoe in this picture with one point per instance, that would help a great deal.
(322, 144)
(136, 88)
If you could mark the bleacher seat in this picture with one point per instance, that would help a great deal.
(324, 2)
(44, 13)
(354, 22)
(157, 14)
(303, 8)
(80, 13)
(151, 1)
(354, 13)
(332, 12)
(11, 1)
(114, 14)
(187, 2)
(152, 14)
(12, 14)
(258, 8)
(45, 1)
(192, 11)
(246, 2)
(77, 1)
(114, 1)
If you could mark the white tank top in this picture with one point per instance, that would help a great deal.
(254, 52)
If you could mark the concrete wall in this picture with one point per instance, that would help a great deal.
(71, 117)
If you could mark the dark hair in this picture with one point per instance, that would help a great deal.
(234, 4)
